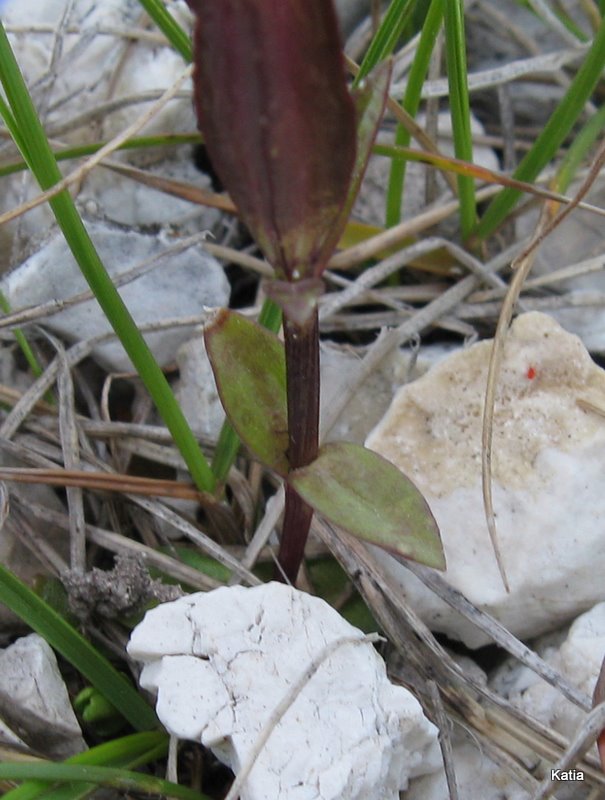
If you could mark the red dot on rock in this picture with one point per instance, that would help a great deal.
(531, 373)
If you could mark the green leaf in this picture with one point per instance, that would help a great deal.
(76, 649)
(250, 371)
(370, 498)
(228, 440)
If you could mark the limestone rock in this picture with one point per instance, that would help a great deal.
(33, 699)
(182, 285)
(220, 662)
(547, 478)
(477, 777)
(578, 657)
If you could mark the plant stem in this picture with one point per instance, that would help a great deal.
(302, 378)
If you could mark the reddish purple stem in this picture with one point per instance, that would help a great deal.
(302, 375)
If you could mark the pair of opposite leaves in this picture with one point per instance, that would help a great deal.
(348, 484)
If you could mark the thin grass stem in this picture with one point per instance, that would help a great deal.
(411, 103)
(455, 50)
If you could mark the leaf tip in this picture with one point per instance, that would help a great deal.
(216, 318)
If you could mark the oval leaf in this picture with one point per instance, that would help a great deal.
(250, 371)
(371, 498)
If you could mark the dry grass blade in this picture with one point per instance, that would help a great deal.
(585, 737)
(116, 543)
(184, 191)
(525, 67)
(514, 735)
(71, 458)
(378, 273)
(588, 405)
(521, 267)
(476, 171)
(103, 482)
(498, 634)
(445, 740)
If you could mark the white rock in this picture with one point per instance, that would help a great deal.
(33, 699)
(98, 63)
(578, 240)
(372, 398)
(220, 662)
(182, 285)
(578, 658)
(547, 479)
(196, 388)
(477, 777)
(95, 63)
(126, 202)
(7, 736)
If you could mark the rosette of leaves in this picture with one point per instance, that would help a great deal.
(290, 143)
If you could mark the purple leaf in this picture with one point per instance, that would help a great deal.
(278, 121)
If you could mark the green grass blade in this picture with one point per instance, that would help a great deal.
(61, 636)
(25, 346)
(228, 440)
(579, 149)
(11, 124)
(411, 103)
(386, 37)
(171, 29)
(121, 779)
(455, 50)
(44, 166)
(553, 135)
(570, 24)
(128, 752)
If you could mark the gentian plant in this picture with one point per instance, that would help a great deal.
(290, 143)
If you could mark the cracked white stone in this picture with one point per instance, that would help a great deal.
(221, 662)
(180, 285)
(548, 464)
